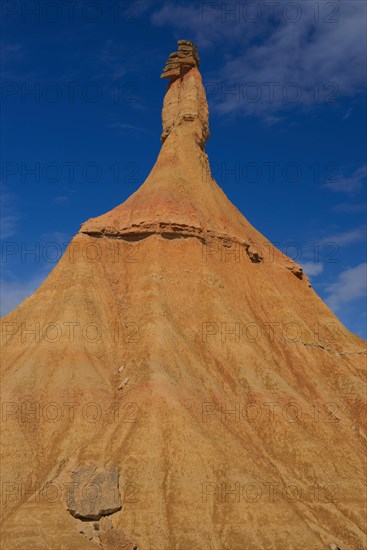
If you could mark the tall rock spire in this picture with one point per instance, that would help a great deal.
(179, 195)
(185, 99)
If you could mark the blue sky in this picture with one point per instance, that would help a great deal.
(81, 102)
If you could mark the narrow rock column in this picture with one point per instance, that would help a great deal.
(185, 99)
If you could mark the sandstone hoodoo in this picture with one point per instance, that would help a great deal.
(175, 382)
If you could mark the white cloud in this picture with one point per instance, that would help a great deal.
(312, 268)
(350, 285)
(208, 23)
(352, 184)
(345, 237)
(324, 59)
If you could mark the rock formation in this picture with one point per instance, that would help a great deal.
(181, 61)
(93, 494)
(237, 421)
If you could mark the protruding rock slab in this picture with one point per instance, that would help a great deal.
(184, 59)
(94, 492)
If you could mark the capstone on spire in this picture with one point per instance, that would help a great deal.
(181, 61)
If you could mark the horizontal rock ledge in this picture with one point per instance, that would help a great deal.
(175, 231)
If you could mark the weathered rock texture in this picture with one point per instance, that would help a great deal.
(94, 493)
(181, 61)
(242, 425)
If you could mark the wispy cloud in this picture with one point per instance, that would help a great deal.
(136, 8)
(208, 24)
(351, 184)
(322, 54)
(347, 113)
(349, 286)
(312, 269)
(343, 238)
(111, 59)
